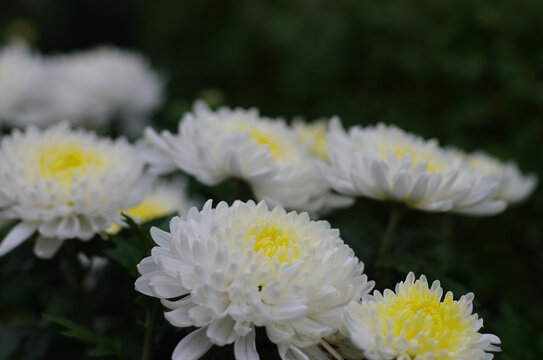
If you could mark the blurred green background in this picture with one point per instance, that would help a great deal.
(469, 73)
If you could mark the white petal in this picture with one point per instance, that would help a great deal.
(46, 247)
(245, 348)
(16, 236)
(221, 331)
(287, 312)
(193, 346)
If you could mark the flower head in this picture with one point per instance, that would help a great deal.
(100, 84)
(244, 266)
(416, 323)
(384, 162)
(65, 184)
(215, 145)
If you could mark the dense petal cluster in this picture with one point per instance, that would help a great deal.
(87, 88)
(416, 323)
(227, 270)
(384, 162)
(65, 184)
(215, 145)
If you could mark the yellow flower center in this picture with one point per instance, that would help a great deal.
(417, 310)
(263, 138)
(417, 156)
(64, 161)
(273, 240)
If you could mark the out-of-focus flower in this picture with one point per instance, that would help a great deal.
(166, 198)
(415, 323)
(215, 145)
(385, 163)
(313, 135)
(65, 184)
(88, 88)
(240, 267)
(23, 83)
(514, 186)
(103, 83)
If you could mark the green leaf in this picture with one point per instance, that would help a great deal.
(102, 346)
(131, 246)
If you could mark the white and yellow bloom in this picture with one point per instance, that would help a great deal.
(416, 323)
(216, 145)
(244, 266)
(385, 163)
(65, 184)
(514, 186)
(166, 198)
(313, 135)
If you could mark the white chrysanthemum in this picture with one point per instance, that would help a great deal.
(215, 145)
(65, 184)
(240, 267)
(386, 163)
(514, 186)
(99, 84)
(415, 323)
(313, 135)
(23, 81)
(166, 198)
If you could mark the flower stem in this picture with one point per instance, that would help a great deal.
(150, 320)
(393, 221)
(330, 350)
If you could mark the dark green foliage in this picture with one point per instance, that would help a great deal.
(102, 346)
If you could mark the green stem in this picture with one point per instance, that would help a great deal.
(150, 320)
(393, 221)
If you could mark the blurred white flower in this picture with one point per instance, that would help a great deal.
(99, 84)
(88, 88)
(65, 184)
(23, 83)
(415, 323)
(166, 197)
(514, 186)
(240, 267)
(385, 163)
(313, 135)
(216, 145)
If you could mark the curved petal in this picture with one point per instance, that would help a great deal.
(245, 348)
(193, 346)
(46, 247)
(16, 236)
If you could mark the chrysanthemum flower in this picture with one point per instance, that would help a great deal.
(166, 198)
(216, 145)
(100, 84)
(313, 135)
(416, 323)
(230, 269)
(385, 163)
(514, 186)
(65, 184)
